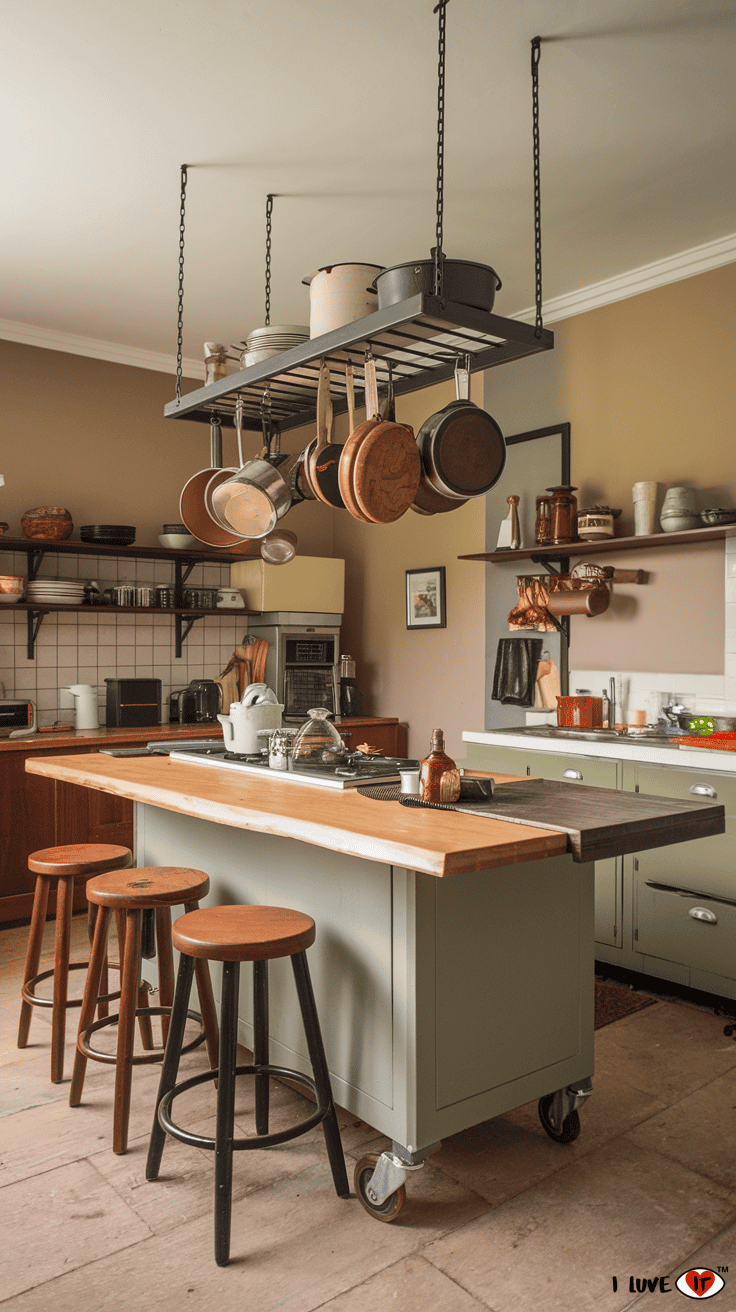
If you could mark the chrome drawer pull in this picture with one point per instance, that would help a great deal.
(700, 913)
(571, 774)
(702, 790)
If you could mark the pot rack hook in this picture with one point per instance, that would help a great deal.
(239, 428)
(267, 420)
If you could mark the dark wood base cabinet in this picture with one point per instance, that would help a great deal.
(37, 813)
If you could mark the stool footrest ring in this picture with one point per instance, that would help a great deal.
(256, 1141)
(140, 1059)
(29, 985)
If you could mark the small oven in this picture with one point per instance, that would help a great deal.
(302, 665)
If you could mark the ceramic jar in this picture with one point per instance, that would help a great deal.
(596, 522)
(47, 523)
(679, 510)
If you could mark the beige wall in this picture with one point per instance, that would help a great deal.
(648, 385)
(91, 436)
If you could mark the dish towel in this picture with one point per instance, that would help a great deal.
(516, 667)
(547, 685)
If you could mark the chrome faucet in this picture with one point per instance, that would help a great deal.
(612, 708)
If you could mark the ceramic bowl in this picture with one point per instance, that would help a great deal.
(12, 588)
(176, 541)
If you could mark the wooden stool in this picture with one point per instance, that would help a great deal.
(130, 894)
(232, 934)
(61, 864)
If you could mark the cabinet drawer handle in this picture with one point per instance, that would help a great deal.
(700, 913)
(571, 774)
(702, 790)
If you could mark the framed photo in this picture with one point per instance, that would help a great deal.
(425, 598)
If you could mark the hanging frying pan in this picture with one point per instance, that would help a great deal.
(387, 468)
(462, 447)
(323, 456)
(351, 447)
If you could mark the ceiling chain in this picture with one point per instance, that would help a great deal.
(180, 319)
(269, 212)
(536, 50)
(438, 258)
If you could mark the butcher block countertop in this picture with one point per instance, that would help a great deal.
(61, 739)
(437, 842)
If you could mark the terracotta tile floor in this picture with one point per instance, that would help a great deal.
(500, 1218)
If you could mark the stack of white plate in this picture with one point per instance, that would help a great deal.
(56, 592)
(262, 343)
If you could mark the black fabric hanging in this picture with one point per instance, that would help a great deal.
(516, 669)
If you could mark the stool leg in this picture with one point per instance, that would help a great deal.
(165, 962)
(207, 1009)
(89, 1001)
(126, 1030)
(226, 1110)
(170, 1067)
(320, 1072)
(33, 951)
(64, 900)
(103, 1008)
(144, 1022)
(260, 1042)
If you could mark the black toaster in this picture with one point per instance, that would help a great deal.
(132, 702)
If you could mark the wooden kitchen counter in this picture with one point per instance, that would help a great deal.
(435, 842)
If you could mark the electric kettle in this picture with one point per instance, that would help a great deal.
(85, 705)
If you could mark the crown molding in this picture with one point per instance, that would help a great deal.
(686, 264)
(97, 349)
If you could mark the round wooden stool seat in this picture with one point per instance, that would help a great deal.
(80, 859)
(147, 887)
(243, 933)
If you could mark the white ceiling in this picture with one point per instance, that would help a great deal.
(331, 105)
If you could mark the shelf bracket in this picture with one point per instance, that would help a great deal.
(34, 620)
(184, 625)
(546, 563)
(35, 558)
(182, 570)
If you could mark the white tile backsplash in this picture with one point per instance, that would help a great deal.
(89, 647)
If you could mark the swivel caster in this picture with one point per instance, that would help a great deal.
(570, 1128)
(389, 1209)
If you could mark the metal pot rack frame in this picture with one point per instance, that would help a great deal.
(184, 562)
(417, 342)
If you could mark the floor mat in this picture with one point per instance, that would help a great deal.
(613, 1002)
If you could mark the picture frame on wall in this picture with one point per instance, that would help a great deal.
(426, 604)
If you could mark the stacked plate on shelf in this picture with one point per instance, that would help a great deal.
(56, 592)
(262, 343)
(108, 535)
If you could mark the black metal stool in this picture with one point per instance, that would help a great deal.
(232, 934)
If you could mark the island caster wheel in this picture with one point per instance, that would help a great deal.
(385, 1211)
(570, 1126)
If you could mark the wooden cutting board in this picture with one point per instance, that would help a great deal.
(600, 822)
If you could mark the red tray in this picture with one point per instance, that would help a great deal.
(722, 742)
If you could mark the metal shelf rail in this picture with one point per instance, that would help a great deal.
(418, 340)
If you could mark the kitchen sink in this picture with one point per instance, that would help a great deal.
(591, 735)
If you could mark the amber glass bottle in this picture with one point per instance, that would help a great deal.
(439, 777)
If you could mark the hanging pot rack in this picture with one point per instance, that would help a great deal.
(417, 340)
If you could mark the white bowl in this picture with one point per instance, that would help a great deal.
(175, 540)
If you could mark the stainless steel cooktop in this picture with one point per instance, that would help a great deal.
(365, 770)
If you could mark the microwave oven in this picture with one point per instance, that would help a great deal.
(302, 665)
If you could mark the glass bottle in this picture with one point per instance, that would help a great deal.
(563, 513)
(439, 777)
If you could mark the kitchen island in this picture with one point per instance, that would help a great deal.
(453, 967)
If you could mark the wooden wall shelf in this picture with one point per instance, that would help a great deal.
(579, 549)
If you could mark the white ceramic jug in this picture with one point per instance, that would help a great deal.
(85, 705)
(241, 727)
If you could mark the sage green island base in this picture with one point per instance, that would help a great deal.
(443, 1001)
